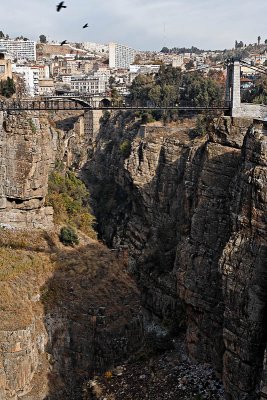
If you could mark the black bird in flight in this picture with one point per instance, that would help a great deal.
(85, 26)
(61, 5)
(64, 42)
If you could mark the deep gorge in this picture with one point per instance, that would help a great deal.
(190, 212)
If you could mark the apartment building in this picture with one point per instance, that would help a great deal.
(20, 49)
(30, 76)
(88, 85)
(120, 56)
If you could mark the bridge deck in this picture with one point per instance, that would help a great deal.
(80, 104)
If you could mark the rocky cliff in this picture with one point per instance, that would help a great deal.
(191, 211)
(31, 144)
(65, 313)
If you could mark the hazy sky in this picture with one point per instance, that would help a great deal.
(142, 24)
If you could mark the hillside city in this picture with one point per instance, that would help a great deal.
(47, 68)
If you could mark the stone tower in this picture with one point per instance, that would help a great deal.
(233, 87)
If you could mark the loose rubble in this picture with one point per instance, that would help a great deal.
(168, 376)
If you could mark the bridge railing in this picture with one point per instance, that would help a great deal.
(82, 104)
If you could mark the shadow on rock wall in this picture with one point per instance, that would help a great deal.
(91, 316)
(171, 204)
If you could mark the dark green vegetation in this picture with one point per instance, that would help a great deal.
(181, 50)
(125, 148)
(171, 87)
(69, 198)
(257, 94)
(42, 39)
(68, 236)
(7, 88)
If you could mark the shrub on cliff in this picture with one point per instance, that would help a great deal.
(70, 198)
(68, 236)
(125, 148)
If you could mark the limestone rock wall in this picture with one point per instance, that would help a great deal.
(25, 160)
(65, 314)
(22, 358)
(31, 144)
(179, 204)
(244, 274)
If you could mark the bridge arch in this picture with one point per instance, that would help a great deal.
(105, 103)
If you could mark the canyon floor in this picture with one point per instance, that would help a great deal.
(170, 375)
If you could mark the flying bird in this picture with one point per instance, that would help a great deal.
(85, 26)
(61, 5)
(64, 42)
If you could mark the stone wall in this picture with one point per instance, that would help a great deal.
(250, 111)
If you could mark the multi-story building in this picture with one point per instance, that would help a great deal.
(88, 85)
(27, 75)
(20, 49)
(30, 76)
(46, 87)
(5, 66)
(44, 72)
(258, 58)
(120, 56)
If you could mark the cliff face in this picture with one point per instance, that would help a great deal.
(64, 313)
(25, 161)
(243, 268)
(191, 213)
(30, 145)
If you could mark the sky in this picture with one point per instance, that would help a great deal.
(141, 24)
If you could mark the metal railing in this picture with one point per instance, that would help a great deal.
(87, 104)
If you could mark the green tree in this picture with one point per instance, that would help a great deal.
(258, 94)
(165, 50)
(140, 88)
(42, 39)
(112, 82)
(170, 87)
(189, 65)
(7, 87)
(116, 98)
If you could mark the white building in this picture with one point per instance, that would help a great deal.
(120, 56)
(31, 78)
(95, 47)
(177, 61)
(88, 85)
(20, 49)
(144, 68)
